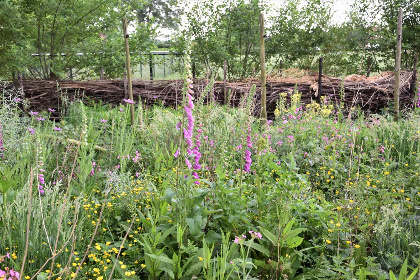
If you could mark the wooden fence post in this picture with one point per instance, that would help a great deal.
(151, 66)
(127, 56)
(414, 78)
(318, 97)
(224, 82)
(263, 73)
(398, 67)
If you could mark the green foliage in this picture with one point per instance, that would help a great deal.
(226, 31)
(324, 198)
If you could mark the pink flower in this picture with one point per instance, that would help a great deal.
(248, 161)
(51, 110)
(129, 101)
(57, 129)
(188, 163)
(14, 274)
(40, 119)
(176, 153)
(104, 121)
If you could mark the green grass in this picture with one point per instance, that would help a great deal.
(333, 198)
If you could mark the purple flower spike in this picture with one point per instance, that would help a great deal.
(188, 163)
(248, 161)
(176, 153)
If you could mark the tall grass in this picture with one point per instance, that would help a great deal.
(332, 198)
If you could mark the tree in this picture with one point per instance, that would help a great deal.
(376, 23)
(164, 13)
(60, 30)
(299, 31)
(227, 31)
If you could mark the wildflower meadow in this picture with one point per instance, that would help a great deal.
(208, 191)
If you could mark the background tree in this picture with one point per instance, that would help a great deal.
(60, 30)
(299, 32)
(375, 24)
(225, 31)
(165, 13)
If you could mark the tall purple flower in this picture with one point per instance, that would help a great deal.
(248, 161)
(193, 143)
(247, 157)
(196, 150)
(188, 131)
(41, 180)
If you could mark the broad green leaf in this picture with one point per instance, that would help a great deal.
(392, 276)
(413, 274)
(257, 247)
(162, 258)
(403, 271)
(294, 241)
(273, 239)
(288, 226)
(169, 271)
(166, 233)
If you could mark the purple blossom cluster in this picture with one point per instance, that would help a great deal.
(254, 235)
(41, 179)
(9, 274)
(189, 129)
(95, 168)
(192, 143)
